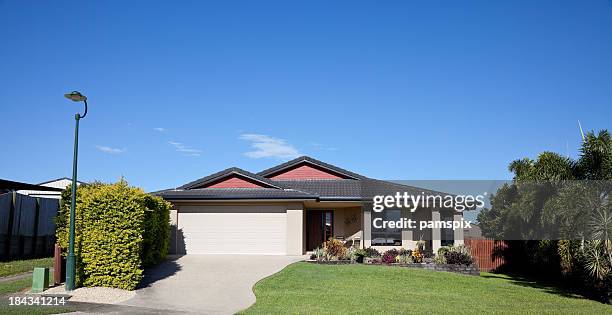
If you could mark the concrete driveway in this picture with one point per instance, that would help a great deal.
(208, 284)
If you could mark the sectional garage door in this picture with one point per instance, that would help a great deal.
(232, 230)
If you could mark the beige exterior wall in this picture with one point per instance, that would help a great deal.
(347, 223)
(295, 224)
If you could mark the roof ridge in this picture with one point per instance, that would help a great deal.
(314, 161)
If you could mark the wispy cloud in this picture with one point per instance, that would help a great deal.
(188, 151)
(160, 129)
(109, 150)
(320, 146)
(269, 147)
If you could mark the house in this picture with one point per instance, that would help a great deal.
(290, 209)
(60, 183)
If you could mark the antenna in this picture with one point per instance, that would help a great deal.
(581, 132)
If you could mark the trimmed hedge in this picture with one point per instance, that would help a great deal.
(119, 230)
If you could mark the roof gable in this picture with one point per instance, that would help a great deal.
(231, 178)
(304, 168)
(234, 181)
(305, 171)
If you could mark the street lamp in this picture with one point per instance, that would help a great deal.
(71, 261)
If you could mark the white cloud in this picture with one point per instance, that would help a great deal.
(160, 129)
(109, 150)
(320, 146)
(269, 147)
(180, 147)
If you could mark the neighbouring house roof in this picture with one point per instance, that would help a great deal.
(60, 179)
(6, 185)
(348, 186)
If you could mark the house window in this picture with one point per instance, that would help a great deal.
(328, 228)
(448, 235)
(387, 237)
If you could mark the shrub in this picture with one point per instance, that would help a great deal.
(372, 252)
(404, 252)
(319, 254)
(360, 252)
(417, 256)
(443, 250)
(389, 256)
(119, 230)
(439, 260)
(335, 249)
(351, 254)
(458, 258)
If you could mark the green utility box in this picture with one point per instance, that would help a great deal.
(40, 279)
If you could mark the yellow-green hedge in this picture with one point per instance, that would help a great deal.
(119, 230)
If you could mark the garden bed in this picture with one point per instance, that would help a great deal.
(331, 262)
(462, 269)
(472, 270)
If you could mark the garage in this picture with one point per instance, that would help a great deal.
(232, 230)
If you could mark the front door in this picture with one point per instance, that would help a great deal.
(319, 227)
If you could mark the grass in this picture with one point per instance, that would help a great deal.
(304, 288)
(20, 266)
(15, 286)
(18, 286)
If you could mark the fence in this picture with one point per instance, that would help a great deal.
(486, 252)
(27, 228)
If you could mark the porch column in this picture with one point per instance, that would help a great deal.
(295, 232)
(458, 233)
(367, 228)
(436, 235)
(407, 234)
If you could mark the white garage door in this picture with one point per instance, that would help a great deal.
(233, 230)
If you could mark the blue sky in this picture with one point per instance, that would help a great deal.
(392, 90)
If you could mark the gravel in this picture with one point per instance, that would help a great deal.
(94, 294)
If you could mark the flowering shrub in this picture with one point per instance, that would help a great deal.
(389, 256)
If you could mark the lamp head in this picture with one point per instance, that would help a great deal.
(76, 96)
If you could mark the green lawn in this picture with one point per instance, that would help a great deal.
(16, 287)
(20, 266)
(305, 288)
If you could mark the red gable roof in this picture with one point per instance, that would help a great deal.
(304, 171)
(234, 182)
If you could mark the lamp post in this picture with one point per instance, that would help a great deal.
(71, 261)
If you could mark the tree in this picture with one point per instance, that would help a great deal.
(555, 197)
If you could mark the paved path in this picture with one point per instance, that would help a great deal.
(206, 284)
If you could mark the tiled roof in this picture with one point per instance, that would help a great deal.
(233, 193)
(356, 188)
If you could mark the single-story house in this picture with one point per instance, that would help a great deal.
(290, 209)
